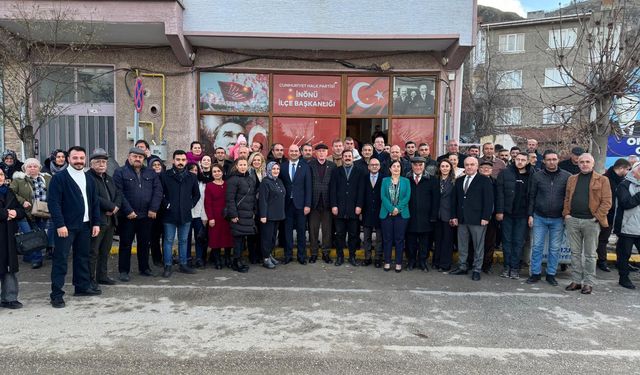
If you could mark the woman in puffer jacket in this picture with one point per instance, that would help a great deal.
(241, 202)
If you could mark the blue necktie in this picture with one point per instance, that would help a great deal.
(293, 171)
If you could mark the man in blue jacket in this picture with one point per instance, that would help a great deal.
(141, 198)
(75, 226)
(181, 193)
(296, 177)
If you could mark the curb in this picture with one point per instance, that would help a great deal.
(497, 256)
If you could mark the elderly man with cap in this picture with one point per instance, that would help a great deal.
(110, 202)
(424, 203)
(571, 165)
(141, 198)
(320, 215)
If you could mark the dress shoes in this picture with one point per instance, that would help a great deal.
(168, 270)
(367, 262)
(36, 265)
(302, 261)
(313, 259)
(410, 266)
(148, 273)
(124, 277)
(238, 266)
(327, 259)
(353, 262)
(287, 260)
(387, 267)
(13, 305)
(57, 303)
(551, 279)
(603, 267)
(475, 276)
(423, 266)
(573, 286)
(586, 289)
(339, 261)
(107, 281)
(87, 293)
(626, 283)
(378, 263)
(458, 271)
(183, 268)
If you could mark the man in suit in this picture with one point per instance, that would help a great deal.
(296, 177)
(371, 213)
(401, 103)
(423, 203)
(320, 215)
(473, 199)
(422, 104)
(453, 147)
(378, 150)
(75, 226)
(346, 199)
(396, 154)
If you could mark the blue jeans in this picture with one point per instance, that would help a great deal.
(24, 227)
(513, 235)
(169, 235)
(541, 227)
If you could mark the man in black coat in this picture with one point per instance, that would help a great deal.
(75, 225)
(346, 199)
(371, 213)
(512, 203)
(473, 207)
(296, 176)
(181, 193)
(320, 215)
(110, 202)
(423, 207)
(222, 161)
(396, 154)
(141, 197)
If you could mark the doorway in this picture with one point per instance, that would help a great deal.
(362, 130)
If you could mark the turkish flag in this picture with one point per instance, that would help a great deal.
(235, 92)
(368, 96)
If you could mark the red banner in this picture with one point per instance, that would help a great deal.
(290, 130)
(368, 96)
(300, 94)
(417, 130)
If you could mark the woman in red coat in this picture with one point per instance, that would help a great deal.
(214, 202)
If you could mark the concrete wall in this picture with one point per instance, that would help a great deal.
(374, 17)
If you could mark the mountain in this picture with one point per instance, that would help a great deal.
(489, 15)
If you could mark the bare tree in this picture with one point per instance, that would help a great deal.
(488, 97)
(37, 48)
(602, 63)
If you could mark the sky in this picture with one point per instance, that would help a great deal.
(521, 7)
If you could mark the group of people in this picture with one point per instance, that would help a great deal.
(403, 207)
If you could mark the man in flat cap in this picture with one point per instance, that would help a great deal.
(320, 215)
(141, 198)
(422, 206)
(110, 202)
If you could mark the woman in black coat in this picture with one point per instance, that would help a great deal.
(444, 231)
(241, 201)
(10, 212)
(271, 204)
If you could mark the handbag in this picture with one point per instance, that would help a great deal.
(40, 209)
(36, 240)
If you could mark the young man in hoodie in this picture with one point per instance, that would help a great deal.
(627, 222)
(616, 174)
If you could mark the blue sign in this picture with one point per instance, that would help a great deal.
(621, 148)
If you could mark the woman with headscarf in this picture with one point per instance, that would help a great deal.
(56, 162)
(31, 185)
(10, 213)
(271, 211)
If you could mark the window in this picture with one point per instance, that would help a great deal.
(560, 114)
(556, 77)
(510, 79)
(66, 85)
(509, 116)
(511, 43)
(564, 38)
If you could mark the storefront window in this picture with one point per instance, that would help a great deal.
(414, 96)
(223, 131)
(308, 95)
(302, 130)
(417, 130)
(234, 92)
(368, 96)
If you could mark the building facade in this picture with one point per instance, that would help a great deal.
(278, 71)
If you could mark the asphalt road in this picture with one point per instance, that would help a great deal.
(318, 319)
